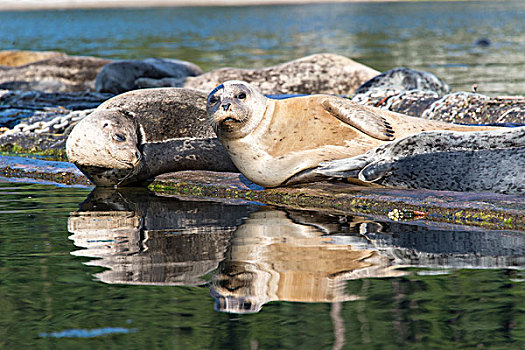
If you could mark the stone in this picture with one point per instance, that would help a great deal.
(55, 74)
(121, 76)
(315, 74)
(15, 58)
(404, 79)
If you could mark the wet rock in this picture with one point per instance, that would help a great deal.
(121, 76)
(39, 99)
(15, 58)
(403, 79)
(42, 130)
(316, 74)
(56, 74)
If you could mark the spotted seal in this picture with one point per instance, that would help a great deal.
(278, 142)
(143, 133)
(442, 160)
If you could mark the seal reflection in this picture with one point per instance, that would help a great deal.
(287, 256)
(250, 255)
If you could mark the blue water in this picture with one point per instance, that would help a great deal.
(436, 36)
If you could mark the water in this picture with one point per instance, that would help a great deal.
(133, 270)
(439, 37)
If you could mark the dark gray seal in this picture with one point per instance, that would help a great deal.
(443, 160)
(143, 133)
(121, 76)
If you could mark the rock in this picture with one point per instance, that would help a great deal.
(40, 100)
(459, 107)
(121, 76)
(403, 79)
(315, 74)
(472, 108)
(43, 129)
(15, 58)
(55, 74)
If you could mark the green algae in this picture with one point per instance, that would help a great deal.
(355, 203)
(33, 152)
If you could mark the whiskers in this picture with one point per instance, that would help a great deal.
(136, 169)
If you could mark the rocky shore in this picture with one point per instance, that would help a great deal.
(44, 94)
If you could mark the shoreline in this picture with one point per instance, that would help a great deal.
(29, 5)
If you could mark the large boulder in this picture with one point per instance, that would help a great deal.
(56, 74)
(315, 74)
(121, 76)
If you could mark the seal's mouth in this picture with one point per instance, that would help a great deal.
(131, 163)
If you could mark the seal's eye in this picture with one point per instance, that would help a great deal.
(213, 100)
(119, 138)
(241, 96)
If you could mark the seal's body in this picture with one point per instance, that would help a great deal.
(276, 142)
(142, 133)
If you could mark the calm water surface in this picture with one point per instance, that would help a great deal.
(134, 270)
(439, 37)
(129, 269)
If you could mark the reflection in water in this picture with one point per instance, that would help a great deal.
(253, 254)
(147, 239)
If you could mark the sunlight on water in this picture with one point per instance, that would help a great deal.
(440, 37)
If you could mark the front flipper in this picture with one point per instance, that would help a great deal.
(361, 118)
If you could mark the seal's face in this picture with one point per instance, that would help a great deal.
(234, 109)
(106, 139)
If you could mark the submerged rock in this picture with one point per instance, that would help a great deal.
(55, 74)
(121, 76)
(315, 74)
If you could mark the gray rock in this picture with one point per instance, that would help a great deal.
(121, 76)
(37, 100)
(55, 74)
(459, 107)
(315, 74)
(403, 79)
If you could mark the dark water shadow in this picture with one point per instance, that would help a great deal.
(250, 255)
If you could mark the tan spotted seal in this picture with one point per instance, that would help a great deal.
(277, 142)
(139, 134)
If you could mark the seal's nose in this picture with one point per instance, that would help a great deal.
(226, 106)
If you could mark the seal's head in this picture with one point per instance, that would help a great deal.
(106, 139)
(235, 108)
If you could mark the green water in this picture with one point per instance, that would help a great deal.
(127, 274)
(439, 37)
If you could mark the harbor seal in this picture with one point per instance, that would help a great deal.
(143, 133)
(442, 160)
(279, 142)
